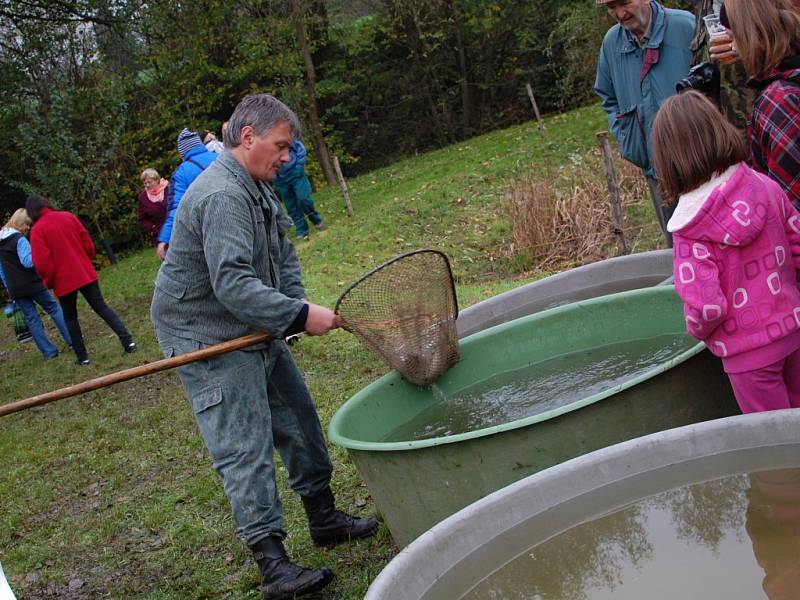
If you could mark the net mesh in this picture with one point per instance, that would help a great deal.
(405, 311)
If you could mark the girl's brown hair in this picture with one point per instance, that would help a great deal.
(765, 32)
(692, 142)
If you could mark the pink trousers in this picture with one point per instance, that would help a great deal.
(772, 387)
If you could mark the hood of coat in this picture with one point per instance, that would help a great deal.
(7, 232)
(729, 209)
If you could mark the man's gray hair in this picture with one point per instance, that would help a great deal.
(262, 112)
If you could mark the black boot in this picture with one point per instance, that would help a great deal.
(329, 526)
(280, 577)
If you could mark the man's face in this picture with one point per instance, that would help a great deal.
(633, 15)
(266, 154)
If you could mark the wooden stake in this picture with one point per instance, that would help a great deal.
(343, 184)
(613, 191)
(140, 371)
(535, 106)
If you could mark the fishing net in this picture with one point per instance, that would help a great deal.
(405, 311)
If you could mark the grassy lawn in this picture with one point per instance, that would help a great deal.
(112, 494)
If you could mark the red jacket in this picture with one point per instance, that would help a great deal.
(62, 251)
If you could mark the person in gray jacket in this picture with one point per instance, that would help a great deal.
(231, 270)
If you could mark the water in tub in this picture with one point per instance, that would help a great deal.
(732, 538)
(540, 387)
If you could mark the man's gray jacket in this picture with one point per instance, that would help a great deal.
(230, 269)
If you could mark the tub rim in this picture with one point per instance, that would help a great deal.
(354, 402)
(536, 494)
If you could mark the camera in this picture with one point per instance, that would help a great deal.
(703, 78)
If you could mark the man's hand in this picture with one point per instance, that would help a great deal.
(321, 320)
(722, 48)
(161, 250)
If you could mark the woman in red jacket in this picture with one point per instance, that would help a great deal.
(62, 253)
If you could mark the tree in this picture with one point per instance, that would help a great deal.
(323, 156)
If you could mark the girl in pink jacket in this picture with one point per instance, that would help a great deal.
(736, 252)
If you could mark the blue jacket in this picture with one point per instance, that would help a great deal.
(630, 102)
(298, 157)
(181, 179)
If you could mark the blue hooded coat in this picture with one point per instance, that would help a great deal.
(194, 162)
(631, 92)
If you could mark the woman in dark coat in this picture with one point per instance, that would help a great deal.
(152, 203)
(24, 285)
(62, 253)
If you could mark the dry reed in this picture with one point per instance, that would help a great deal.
(558, 222)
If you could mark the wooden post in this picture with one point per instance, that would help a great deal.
(535, 106)
(343, 184)
(613, 191)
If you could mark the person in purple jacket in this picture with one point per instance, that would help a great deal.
(152, 203)
(736, 252)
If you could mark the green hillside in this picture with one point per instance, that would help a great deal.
(112, 495)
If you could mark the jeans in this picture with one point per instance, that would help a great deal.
(28, 307)
(246, 402)
(295, 191)
(91, 292)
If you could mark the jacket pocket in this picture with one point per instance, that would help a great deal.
(631, 138)
(171, 287)
(206, 399)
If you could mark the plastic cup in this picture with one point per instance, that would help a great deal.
(713, 26)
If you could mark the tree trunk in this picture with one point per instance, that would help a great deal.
(466, 96)
(323, 156)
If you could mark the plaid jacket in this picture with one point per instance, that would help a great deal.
(774, 131)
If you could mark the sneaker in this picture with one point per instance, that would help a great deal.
(303, 238)
(130, 347)
(82, 361)
(321, 226)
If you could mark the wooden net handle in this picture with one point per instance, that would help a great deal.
(133, 373)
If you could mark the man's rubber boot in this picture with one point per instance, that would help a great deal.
(329, 526)
(282, 579)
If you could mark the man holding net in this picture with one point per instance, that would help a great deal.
(231, 270)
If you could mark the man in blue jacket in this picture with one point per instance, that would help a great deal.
(196, 157)
(641, 60)
(295, 190)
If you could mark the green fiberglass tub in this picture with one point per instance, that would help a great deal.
(425, 453)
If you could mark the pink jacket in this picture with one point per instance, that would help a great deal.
(736, 256)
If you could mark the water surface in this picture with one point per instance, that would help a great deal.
(732, 538)
(540, 387)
